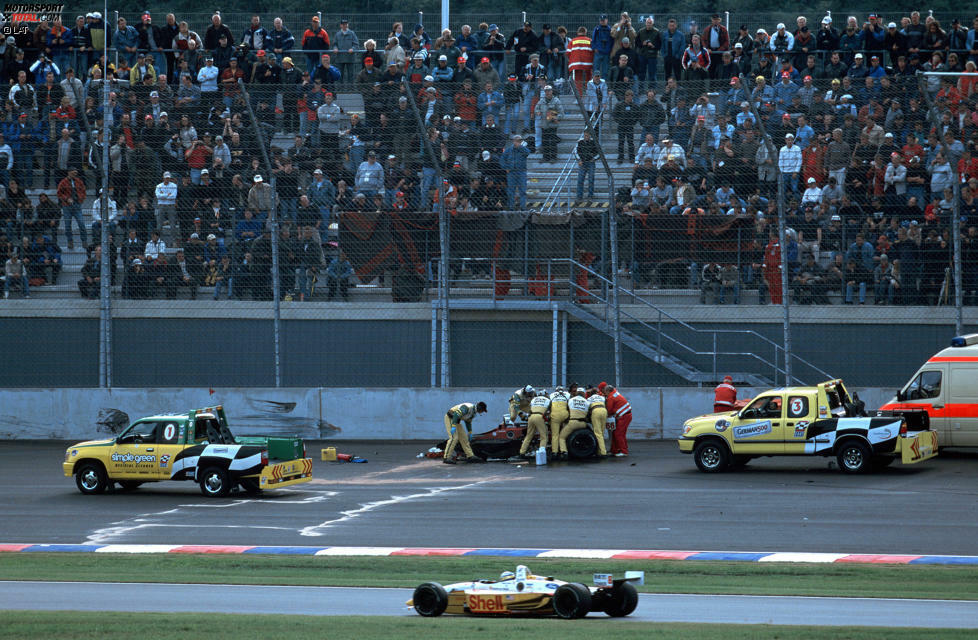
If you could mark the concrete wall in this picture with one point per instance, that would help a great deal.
(319, 413)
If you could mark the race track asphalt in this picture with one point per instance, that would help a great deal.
(184, 598)
(655, 499)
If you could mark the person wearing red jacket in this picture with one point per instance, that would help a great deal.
(71, 195)
(717, 40)
(315, 41)
(724, 396)
(580, 59)
(619, 409)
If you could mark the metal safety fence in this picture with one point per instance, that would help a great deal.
(382, 227)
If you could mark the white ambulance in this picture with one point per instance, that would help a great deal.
(946, 387)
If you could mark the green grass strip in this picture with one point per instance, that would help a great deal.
(661, 576)
(69, 625)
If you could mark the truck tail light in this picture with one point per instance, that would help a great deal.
(304, 450)
(264, 457)
(903, 428)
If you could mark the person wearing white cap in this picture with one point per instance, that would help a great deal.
(547, 115)
(789, 162)
(782, 41)
(827, 37)
(812, 194)
(261, 198)
(166, 204)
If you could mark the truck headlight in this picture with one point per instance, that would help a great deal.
(687, 428)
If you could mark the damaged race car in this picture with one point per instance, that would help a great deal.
(524, 594)
(504, 441)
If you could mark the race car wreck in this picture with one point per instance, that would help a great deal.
(503, 442)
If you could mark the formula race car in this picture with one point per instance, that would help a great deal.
(504, 441)
(523, 593)
(823, 420)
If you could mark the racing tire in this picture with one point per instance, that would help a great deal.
(430, 599)
(582, 444)
(214, 483)
(711, 456)
(882, 462)
(91, 479)
(739, 462)
(622, 600)
(129, 485)
(250, 486)
(571, 600)
(854, 457)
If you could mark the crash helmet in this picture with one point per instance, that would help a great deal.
(542, 392)
(507, 575)
(559, 389)
(528, 391)
(481, 407)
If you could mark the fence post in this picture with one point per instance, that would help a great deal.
(105, 273)
(274, 231)
(553, 344)
(786, 313)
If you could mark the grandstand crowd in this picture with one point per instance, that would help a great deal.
(868, 149)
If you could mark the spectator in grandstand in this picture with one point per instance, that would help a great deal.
(339, 276)
(91, 273)
(514, 163)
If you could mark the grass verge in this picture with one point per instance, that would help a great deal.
(69, 625)
(662, 576)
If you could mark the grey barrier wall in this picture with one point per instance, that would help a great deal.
(488, 350)
(319, 413)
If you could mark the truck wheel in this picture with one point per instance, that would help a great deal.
(854, 457)
(711, 456)
(430, 599)
(582, 444)
(214, 483)
(571, 600)
(91, 478)
(129, 485)
(623, 600)
(250, 486)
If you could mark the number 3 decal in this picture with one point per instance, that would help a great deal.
(797, 407)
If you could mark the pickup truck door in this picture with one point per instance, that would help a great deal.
(928, 390)
(170, 438)
(759, 430)
(799, 413)
(135, 456)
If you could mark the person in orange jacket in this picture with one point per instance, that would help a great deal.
(724, 396)
(621, 411)
(772, 267)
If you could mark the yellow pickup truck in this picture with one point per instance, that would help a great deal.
(196, 446)
(823, 420)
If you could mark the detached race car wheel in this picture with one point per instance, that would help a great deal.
(882, 462)
(250, 486)
(91, 478)
(430, 599)
(571, 600)
(214, 483)
(582, 444)
(854, 456)
(622, 600)
(711, 456)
